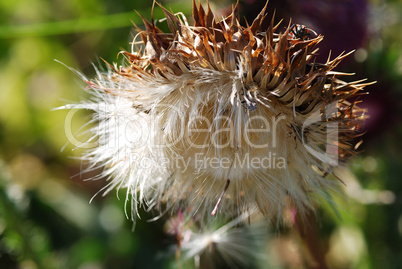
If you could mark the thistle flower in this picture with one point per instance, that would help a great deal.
(222, 118)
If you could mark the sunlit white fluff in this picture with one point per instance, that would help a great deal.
(184, 123)
(234, 244)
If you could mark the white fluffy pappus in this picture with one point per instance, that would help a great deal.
(222, 119)
(211, 245)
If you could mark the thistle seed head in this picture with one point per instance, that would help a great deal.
(222, 118)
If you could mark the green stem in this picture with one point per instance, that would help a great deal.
(85, 24)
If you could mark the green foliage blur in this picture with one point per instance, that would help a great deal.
(46, 220)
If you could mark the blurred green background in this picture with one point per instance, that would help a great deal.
(46, 220)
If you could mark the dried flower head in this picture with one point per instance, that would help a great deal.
(222, 118)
